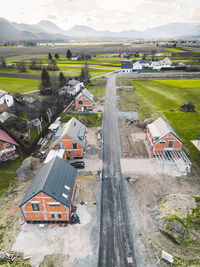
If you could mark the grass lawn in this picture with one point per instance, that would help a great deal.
(163, 96)
(89, 120)
(97, 87)
(175, 50)
(8, 173)
(18, 85)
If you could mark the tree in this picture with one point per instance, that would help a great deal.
(21, 66)
(61, 80)
(50, 56)
(85, 74)
(52, 65)
(45, 86)
(68, 54)
(56, 56)
(2, 63)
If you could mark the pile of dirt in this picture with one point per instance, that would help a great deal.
(28, 168)
(177, 204)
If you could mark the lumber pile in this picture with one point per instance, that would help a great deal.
(10, 256)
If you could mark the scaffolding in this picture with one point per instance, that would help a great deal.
(174, 157)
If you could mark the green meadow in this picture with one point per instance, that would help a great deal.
(18, 85)
(165, 97)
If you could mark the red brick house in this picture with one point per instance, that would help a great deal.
(84, 101)
(71, 137)
(162, 138)
(7, 146)
(49, 199)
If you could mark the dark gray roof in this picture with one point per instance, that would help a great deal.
(76, 130)
(128, 64)
(87, 93)
(51, 179)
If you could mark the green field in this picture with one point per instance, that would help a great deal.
(17, 85)
(175, 50)
(89, 120)
(165, 97)
(97, 87)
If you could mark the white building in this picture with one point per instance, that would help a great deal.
(137, 66)
(6, 100)
(72, 87)
(166, 63)
(155, 65)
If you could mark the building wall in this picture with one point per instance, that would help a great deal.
(67, 143)
(86, 102)
(4, 146)
(46, 210)
(162, 145)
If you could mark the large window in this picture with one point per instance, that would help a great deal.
(74, 145)
(80, 102)
(35, 206)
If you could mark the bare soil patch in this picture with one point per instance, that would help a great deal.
(132, 140)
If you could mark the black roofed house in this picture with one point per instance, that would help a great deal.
(127, 66)
(49, 199)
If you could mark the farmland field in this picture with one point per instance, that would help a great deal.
(165, 97)
(17, 85)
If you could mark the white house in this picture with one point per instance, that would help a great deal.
(137, 66)
(72, 87)
(6, 100)
(166, 63)
(155, 65)
(126, 66)
(145, 63)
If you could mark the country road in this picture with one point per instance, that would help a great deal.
(116, 242)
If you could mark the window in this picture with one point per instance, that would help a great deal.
(59, 216)
(53, 216)
(171, 144)
(54, 204)
(74, 146)
(162, 142)
(80, 102)
(35, 206)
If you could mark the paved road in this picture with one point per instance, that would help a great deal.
(116, 243)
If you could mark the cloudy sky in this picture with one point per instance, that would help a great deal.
(114, 15)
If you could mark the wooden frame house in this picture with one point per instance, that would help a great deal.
(49, 199)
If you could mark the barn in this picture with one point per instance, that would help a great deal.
(49, 199)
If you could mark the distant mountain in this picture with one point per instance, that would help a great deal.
(47, 30)
(50, 27)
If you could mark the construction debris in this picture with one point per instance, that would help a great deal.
(10, 256)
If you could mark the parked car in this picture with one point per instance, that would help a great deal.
(78, 164)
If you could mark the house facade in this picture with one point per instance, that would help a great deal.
(72, 138)
(137, 66)
(49, 199)
(72, 87)
(126, 66)
(162, 138)
(6, 100)
(84, 101)
(145, 63)
(7, 146)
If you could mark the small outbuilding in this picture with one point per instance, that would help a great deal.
(50, 197)
(6, 100)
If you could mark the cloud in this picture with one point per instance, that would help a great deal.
(51, 17)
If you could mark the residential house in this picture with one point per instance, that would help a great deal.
(72, 87)
(145, 63)
(6, 100)
(49, 199)
(156, 65)
(126, 66)
(137, 66)
(72, 138)
(84, 101)
(7, 146)
(55, 153)
(162, 138)
(166, 63)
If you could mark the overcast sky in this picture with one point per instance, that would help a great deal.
(114, 15)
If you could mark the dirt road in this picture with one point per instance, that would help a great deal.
(116, 243)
